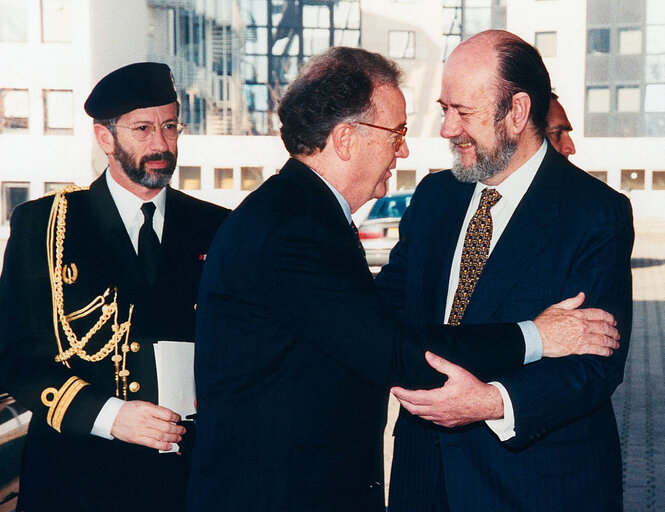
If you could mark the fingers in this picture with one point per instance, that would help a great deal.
(603, 328)
(148, 425)
(440, 364)
(571, 303)
(595, 314)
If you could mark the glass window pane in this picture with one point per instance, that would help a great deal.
(655, 39)
(255, 69)
(250, 178)
(546, 43)
(347, 38)
(655, 11)
(401, 44)
(628, 99)
(406, 179)
(654, 98)
(15, 113)
(630, 41)
(256, 40)
(598, 99)
(601, 175)
(13, 21)
(598, 41)
(224, 178)
(256, 97)
(655, 68)
(13, 194)
(477, 20)
(347, 14)
(658, 181)
(56, 20)
(190, 178)
(632, 179)
(315, 40)
(58, 111)
(449, 44)
(315, 16)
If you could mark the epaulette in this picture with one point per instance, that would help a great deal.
(66, 189)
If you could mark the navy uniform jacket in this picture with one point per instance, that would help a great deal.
(295, 354)
(74, 470)
(570, 233)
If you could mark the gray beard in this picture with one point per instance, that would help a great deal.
(157, 179)
(487, 164)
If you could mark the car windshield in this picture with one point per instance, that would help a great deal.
(390, 207)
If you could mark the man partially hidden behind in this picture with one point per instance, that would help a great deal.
(91, 279)
(295, 351)
(545, 439)
(559, 128)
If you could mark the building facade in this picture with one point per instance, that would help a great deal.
(233, 58)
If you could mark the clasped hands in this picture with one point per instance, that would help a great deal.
(147, 424)
(464, 399)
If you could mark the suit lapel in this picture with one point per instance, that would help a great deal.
(110, 242)
(445, 231)
(520, 244)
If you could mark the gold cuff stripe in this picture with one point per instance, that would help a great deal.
(61, 400)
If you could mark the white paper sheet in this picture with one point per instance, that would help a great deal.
(175, 377)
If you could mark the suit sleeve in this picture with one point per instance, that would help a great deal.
(552, 392)
(28, 370)
(324, 291)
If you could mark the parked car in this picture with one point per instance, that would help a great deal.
(379, 232)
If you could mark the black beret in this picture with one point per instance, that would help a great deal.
(140, 85)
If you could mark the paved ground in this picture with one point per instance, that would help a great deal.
(639, 401)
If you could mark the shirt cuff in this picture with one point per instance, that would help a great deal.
(533, 343)
(106, 417)
(504, 428)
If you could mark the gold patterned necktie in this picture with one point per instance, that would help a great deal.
(474, 254)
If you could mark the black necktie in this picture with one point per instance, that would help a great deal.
(354, 229)
(148, 244)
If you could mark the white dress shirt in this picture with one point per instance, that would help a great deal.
(129, 207)
(512, 190)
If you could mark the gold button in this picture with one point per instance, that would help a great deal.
(134, 387)
(134, 346)
(195, 307)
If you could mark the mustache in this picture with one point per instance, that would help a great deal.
(461, 140)
(165, 155)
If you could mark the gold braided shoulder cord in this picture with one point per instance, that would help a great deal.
(55, 240)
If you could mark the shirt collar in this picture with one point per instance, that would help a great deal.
(128, 204)
(340, 198)
(515, 186)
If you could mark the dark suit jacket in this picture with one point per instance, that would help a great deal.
(73, 470)
(570, 233)
(295, 354)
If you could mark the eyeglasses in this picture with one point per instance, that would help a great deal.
(399, 131)
(142, 131)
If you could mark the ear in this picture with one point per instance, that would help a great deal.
(518, 117)
(342, 138)
(104, 138)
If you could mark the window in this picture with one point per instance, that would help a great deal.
(56, 21)
(58, 112)
(406, 179)
(402, 44)
(224, 178)
(190, 178)
(630, 41)
(658, 182)
(654, 98)
(546, 43)
(598, 41)
(598, 99)
(14, 110)
(13, 21)
(600, 175)
(632, 179)
(50, 186)
(628, 99)
(250, 178)
(13, 194)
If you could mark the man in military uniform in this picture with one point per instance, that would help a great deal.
(92, 278)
